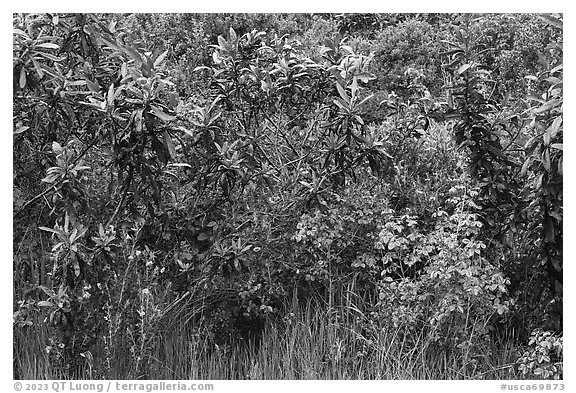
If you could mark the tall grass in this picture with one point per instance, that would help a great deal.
(30, 357)
(315, 339)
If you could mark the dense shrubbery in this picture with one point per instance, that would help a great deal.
(203, 174)
(409, 48)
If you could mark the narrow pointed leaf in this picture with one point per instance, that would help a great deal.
(343, 93)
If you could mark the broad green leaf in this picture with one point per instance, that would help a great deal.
(133, 52)
(22, 77)
(138, 120)
(110, 96)
(557, 146)
(50, 56)
(21, 33)
(160, 59)
(180, 165)
(365, 99)
(201, 68)
(526, 165)
(463, 69)
(224, 46)
(187, 131)
(20, 130)
(160, 114)
(354, 87)
(307, 185)
(221, 42)
(56, 148)
(265, 87)
(38, 68)
(347, 48)
(555, 127)
(340, 102)
(233, 36)
(50, 178)
(546, 160)
(546, 138)
(48, 45)
(75, 83)
(547, 106)
(92, 86)
(47, 291)
(57, 232)
(553, 80)
(169, 145)
(384, 152)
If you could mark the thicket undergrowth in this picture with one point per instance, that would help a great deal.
(287, 196)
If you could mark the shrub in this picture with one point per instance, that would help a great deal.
(210, 179)
(454, 292)
(543, 359)
(410, 44)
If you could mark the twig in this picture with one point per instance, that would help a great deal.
(123, 199)
(283, 134)
(37, 197)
